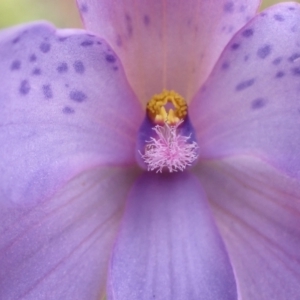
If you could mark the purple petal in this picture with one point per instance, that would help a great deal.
(65, 106)
(169, 246)
(258, 211)
(60, 248)
(167, 44)
(250, 104)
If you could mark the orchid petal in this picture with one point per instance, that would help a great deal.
(250, 103)
(258, 211)
(65, 106)
(60, 248)
(167, 44)
(168, 246)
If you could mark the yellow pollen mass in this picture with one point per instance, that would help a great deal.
(167, 107)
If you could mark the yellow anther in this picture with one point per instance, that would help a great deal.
(167, 107)
(163, 112)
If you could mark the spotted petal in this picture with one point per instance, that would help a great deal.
(258, 210)
(64, 107)
(168, 246)
(250, 103)
(167, 44)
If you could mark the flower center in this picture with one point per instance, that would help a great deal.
(167, 107)
(166, 140)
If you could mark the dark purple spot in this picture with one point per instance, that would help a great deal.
(294, 29)
(277, 61)
(242, 8)
(294, 57)
(228, 7)
(62, 39)
(247, 33)
(264, 51)
(66, 85)
(68, 110)
(99, 43)
(110, 58)
(15, 65)
(115, 68)
(244, 84)
(77, 96)
(84, 8)
(246, 57)
(16, 40)
(203, 88)
(36, 71)
(146, 20)
(279, 74)
(79, 67)
(296, 71)
(47, 91)
(263, 14)
(128, 25)
(235, 46)
(225, 65)
(62, 68)
(258, 103)
(45, 47)
(291, 8)
(32, 58)
(87, 43)
(24, 87)
(279, 18)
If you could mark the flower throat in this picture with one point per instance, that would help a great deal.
(166, 140)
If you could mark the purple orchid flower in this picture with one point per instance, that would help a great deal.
(218, 217)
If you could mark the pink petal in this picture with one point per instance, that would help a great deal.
(250, 104)
(168, 246)
(59, 249)
(167, 44)
(65, 106)
(258, 210)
